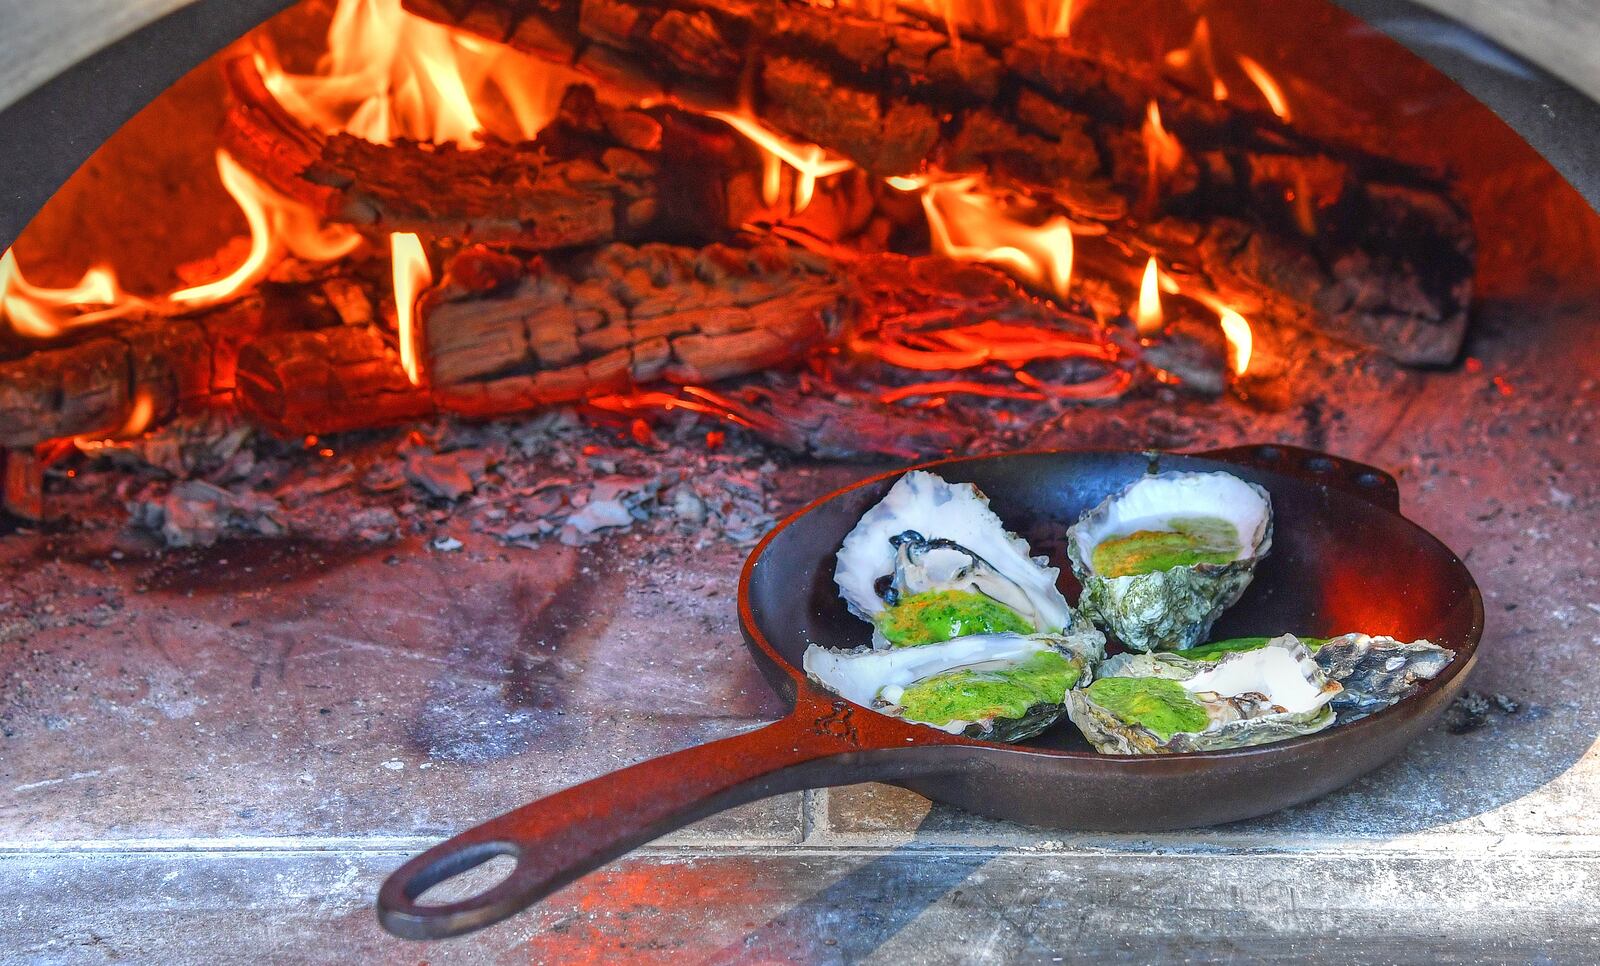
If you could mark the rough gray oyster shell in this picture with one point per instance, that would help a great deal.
(1377, 671)
(1143, 704)
(1001, 687)
(1175, 607)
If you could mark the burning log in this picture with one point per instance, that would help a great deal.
(595, 175)
(143, 373)
(326, 381)
(503, 336)
(1376, 252)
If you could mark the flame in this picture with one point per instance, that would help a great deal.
(390, 74)
(278, 224)
(37, 312)
(140, 414)
(1162, 149)
(1147, 317)
(1198, 58)
(412, 274)
(1240, 340)
(1038, 18)
(1269, 87)
(809, 161)
(968, 220)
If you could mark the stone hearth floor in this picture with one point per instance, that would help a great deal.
(221, 753)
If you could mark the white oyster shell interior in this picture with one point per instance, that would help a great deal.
(1286, 675)
(864, 675)
(937, 509)
(1153, 501)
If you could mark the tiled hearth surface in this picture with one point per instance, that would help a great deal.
(224, 757)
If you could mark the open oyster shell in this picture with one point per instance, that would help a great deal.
(1375, 672)
(1002, 687)
(1143, 704)
(933, 562)
(1186, 544)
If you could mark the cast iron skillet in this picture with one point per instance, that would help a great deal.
(1343, 559)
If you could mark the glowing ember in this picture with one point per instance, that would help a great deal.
(1240, 340)
(1198, 59)
(390, 74)
(809, 161)
(412, 274)
(1269, 87)
(1147, 318)
(278, 224)
(36, 312)
(970, 221)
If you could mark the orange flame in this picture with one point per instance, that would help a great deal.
(809, 161)
(1148, 317)
(968, 220)
(1240, 340)
(390, 74)
(36, 312)
(1038, 18)
(1269, 87)
(1163, 150)
(1198, 58)
(278, 224)
(412, 274)
(139, 416)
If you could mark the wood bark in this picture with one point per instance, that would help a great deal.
(91, 388)
(1370, 250)
(593, 176)
(502, 335)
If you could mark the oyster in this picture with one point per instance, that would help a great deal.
(932, 562)
(1142, 704)
(1003, 687)
(1375, 672)
(1164, 557)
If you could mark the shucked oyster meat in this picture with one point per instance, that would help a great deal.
(1141, 704)
(1375, 672)
(932, 562)
(1003, 687)
(1161, 559)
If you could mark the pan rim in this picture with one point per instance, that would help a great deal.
(1466, 653)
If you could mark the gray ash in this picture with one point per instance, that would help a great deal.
(1471, 709)
(554, 476)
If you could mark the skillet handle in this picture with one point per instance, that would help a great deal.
(1368, 482)
(560, 837)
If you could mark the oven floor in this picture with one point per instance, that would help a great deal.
(214, 751)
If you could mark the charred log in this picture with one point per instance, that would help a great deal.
(1379, 252)
(161, 365)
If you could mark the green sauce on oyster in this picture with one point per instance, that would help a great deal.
(977, 694)
(1163, 706)
(1215, 650)
(1189, 541)
(939, 615)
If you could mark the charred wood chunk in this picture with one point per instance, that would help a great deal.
(327, 380)
(92, 388)
(804, 100)
(623, 316)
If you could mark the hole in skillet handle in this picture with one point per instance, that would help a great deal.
(1358, 479)
(401, 913)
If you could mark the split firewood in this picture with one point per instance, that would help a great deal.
(1377, 252)
(130, 378)
(504, 336)
(595, 175)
